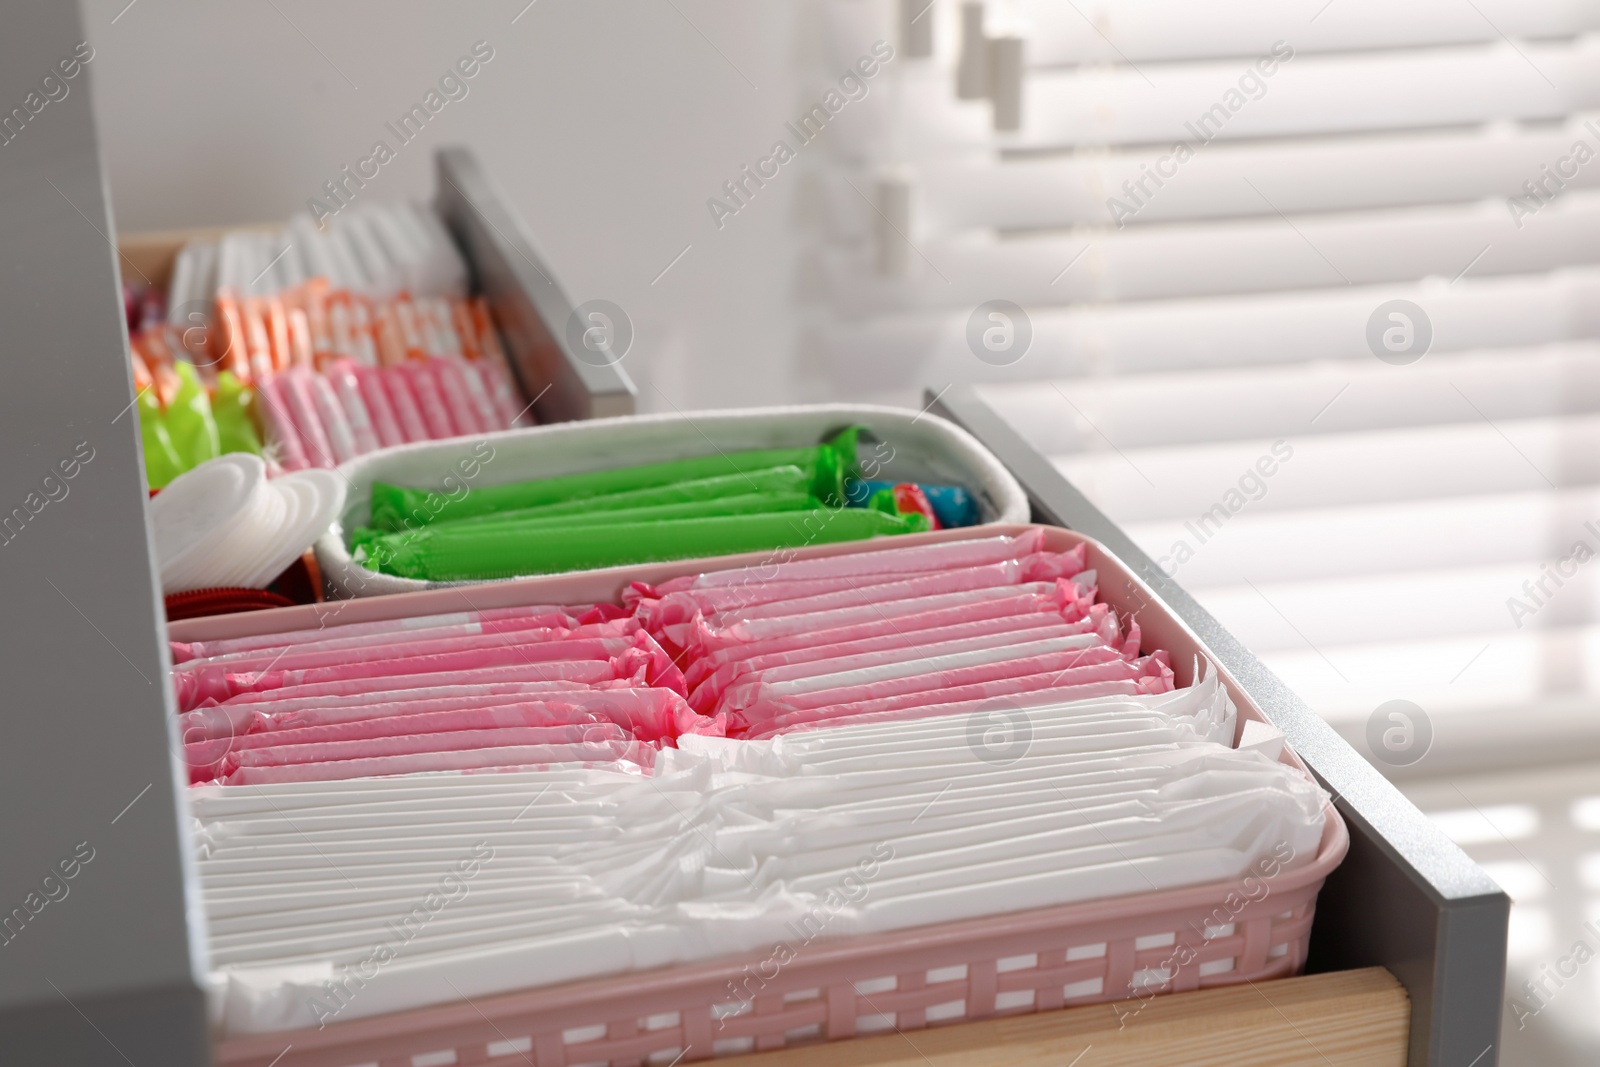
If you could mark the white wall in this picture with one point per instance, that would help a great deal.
(608, 123)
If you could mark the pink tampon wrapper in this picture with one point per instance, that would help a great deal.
(430, 399)
(275, 413)
(507, 403)
(457, 398)
(385, 422)
(341, 375)
(404, 403)
(479, 391)
(337, 424)
(297, 392)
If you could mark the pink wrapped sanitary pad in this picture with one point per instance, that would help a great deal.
(873, 635)
(870, 565)
(1144, 677)
(984, 633)
(438, 732)
(457, 656)
(837, 639)
(392, 629)
(236, 690)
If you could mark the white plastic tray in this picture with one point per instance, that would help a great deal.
(902, 445)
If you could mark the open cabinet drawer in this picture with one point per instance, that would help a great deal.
(530, 309)
(111, 970)
(920, 982)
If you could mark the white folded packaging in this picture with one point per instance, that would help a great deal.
(224, 524)
(329, 901)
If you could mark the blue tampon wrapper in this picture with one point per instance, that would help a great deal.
(953, 504)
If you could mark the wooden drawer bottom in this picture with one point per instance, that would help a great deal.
(1331, 1020)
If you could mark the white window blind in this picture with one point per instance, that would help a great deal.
(1336, 156)
(1204, 212)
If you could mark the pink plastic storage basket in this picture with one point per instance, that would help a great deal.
(1123, 949)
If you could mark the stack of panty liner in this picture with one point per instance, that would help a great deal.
(903, 633)
(485, 690)
(328, 901)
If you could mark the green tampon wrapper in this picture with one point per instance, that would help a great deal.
(748, 504)
(190, 425)
(161, 462)
(450, 553)
(828, 465)
(780, 482)
(231, 407)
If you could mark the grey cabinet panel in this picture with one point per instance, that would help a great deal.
(95, 883)
(529, 305)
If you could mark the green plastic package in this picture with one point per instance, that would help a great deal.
(827, 464)
(747, 504)
(190, 425)
(779, 482)
(161, 463)
(457, 552)
(232, 406)
(196, 426)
